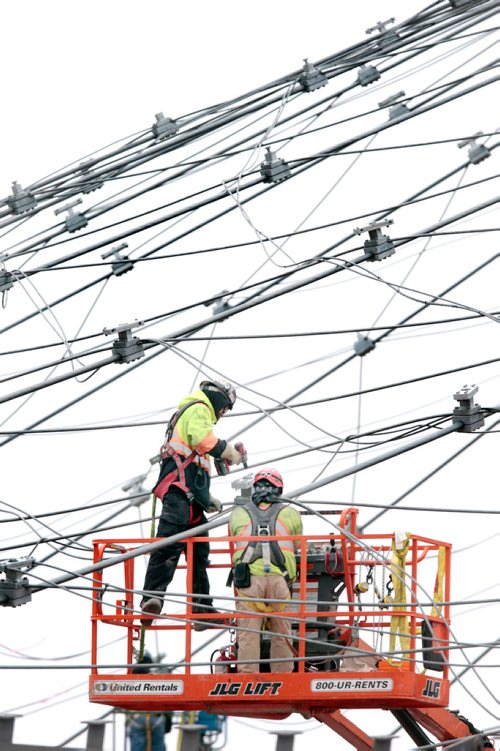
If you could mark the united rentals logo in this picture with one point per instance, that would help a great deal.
(139, 687)
(340, 684)
(432, 689)
(251, 688)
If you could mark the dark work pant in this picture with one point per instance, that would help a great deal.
(174, 519)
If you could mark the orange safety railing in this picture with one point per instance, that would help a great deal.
(421, 575)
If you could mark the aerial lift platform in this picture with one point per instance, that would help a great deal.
(370, 620)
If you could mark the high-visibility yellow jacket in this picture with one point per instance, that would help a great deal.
(288, 522)
(193, 432)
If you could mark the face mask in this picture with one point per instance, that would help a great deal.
(265, 492)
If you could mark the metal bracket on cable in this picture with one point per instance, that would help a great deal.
(244, 485)
(164, 127)
(273, 169)
(363, 345)
(379, 246)
(386, 36)
(368, 74)
(134, 486)
(14, 589)
(460, 3)
(74, 220)
(89, 181)
(311, 78)
(7, 280)
(127, 347)
(21, 200)
(221, 304)
(477, 151)
(467, 413)
(121, 264)
(399, 109)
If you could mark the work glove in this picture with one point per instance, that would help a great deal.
(231, 455)
(215, 505)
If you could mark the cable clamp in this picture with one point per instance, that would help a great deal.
(386, 36)
(368, 74)
(14, 589)
(21, 200)
(164, 127)
(311, 78)
(221, 302)
(478, 152)
(74, 221)
(467, 414)
(126, 347)
(7, 280)
(379, 246)
(244, 485)
(121, 264)
(399, 109)
(273, 169)
(89, 181)
(363, 345)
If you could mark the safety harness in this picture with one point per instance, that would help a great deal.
(168, 451)
(264, 525)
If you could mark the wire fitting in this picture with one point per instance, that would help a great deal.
(74, 221)
(368, 74)
(126, 347)
(363, 345)
(134, 486)
(467, 413)
(399, 109)
(121, 264)
(7, 280)
(221, 304)
(478, 152)
(244, 485)
(21, 200)
(460, 3)
(164, 127)
(14, 589)
(89, 181)
(379, 246)
(311, 78)
(273, 169)
(386, 36)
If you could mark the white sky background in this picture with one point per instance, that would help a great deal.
(80, 76)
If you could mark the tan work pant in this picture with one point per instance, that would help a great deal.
(252, 599)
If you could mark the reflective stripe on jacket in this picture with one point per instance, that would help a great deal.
(288, 522)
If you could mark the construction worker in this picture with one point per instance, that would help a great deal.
(264, 570)
(146, 730)
(184, 487)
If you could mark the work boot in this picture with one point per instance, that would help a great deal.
(151, 606)
(202, 625)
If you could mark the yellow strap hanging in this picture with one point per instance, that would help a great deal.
(399, 623)
(438, 586)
